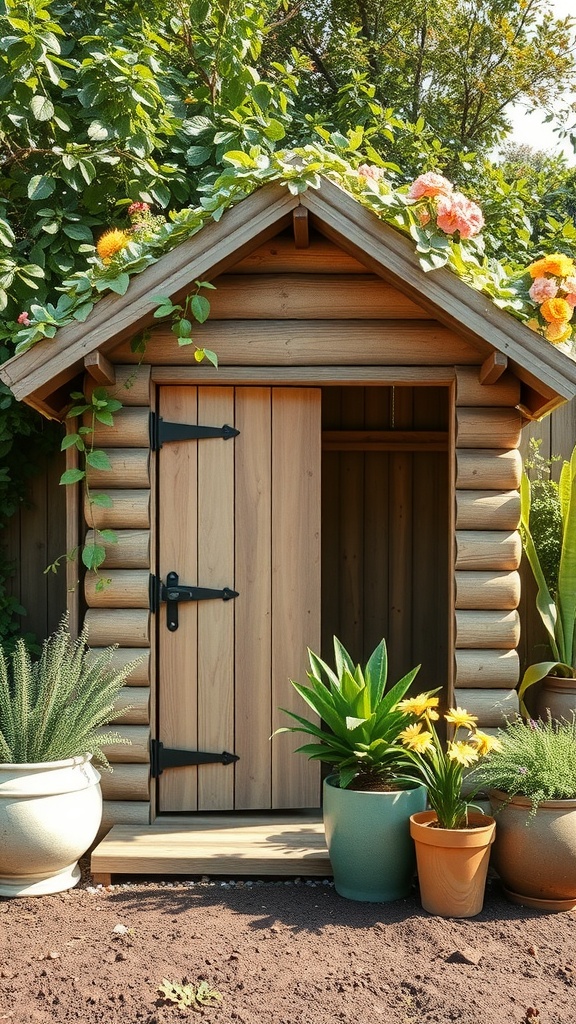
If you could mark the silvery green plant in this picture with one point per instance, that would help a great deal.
(361, 724)
(54, 708)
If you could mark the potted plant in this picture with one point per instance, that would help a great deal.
(51, 714)
(548, 527)
(366, 810)
(452, 842)
(532, 782)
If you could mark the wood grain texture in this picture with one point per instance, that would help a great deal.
(471, 392)
(130, 509)
(491, 707)
(310, 297)
(253, 632)
(487, 668)
(482, 469)
(132, 813)
(280, 256)
(133, 705)
(131, 549)
(129, 430)
(487, 510)
(129, 627)
(489, 629)
(313, 342)
(129, 468)
(120, 658)
(126, 782)
(296, 427)
(488, 549)
(136, 749)
(487, 590)
(132, 386)
(488, 428)
(124, 588)
(352, 376)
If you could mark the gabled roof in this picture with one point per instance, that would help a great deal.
(548, 374)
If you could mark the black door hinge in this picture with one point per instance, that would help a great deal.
(162, 757)
(172, 593)
(162, 432)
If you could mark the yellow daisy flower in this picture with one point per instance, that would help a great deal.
(110, 243)
(484, 743)
(462, 752)
(418, 705)
(460, 718)
(415, 739)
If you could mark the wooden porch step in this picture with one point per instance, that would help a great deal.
(205, 845)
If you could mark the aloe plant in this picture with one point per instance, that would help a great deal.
(360, 725)
(556, 598)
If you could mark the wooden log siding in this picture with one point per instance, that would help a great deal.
(118, 613)
(487, 545)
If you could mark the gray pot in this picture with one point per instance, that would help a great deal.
(368, 839)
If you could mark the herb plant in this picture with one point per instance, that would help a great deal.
(54, 708)
(535, 759)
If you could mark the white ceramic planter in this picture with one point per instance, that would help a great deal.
(49, 815)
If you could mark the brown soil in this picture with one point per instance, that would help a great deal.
(279, 952)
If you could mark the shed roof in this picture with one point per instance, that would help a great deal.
(548, 374)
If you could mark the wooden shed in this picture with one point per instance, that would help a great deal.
(369, 488)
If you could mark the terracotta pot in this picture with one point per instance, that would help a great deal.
(452, 863)
(536, 857)
(368, 840)
(557, 694)
(49, 815)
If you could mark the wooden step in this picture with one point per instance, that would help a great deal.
(206, 845)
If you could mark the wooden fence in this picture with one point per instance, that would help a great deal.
(37, 536)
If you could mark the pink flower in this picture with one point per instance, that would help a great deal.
(371, 171)
(24, 319)
(138, 208)
(543, 288)
(429, 184)
(571, 299)
(569, 286)
(457, 213)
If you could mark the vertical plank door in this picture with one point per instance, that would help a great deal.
(245, 514)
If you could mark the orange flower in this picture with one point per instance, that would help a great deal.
(110, 243)
(558, 332)
(556, 311)
(557, 263)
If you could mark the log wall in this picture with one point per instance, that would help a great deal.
(487, 546)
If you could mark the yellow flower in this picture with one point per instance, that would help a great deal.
(460, 718)
(556, 311)
(557, 263)
(110, 243)
(485, 743)
(558, 332)
(533, 324)
(418, 705)
(415, 739)
(462, 752)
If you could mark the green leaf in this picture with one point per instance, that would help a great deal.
(200, 308)
(197, 155)
(101, 500)
(198, 11)
(93, 555)
(109, 536)
(41, 107)
(72, 476)
(40, 186)
(274, 130)
(211, 357)
(98, 460)
(119, 284)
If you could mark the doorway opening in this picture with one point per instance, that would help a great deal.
(386, 526)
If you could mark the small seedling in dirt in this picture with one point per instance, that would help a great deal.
(189, 996)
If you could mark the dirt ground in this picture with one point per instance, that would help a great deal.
(278, 952)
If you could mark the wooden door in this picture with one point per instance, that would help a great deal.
(241, 513)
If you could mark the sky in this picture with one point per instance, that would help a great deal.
(530, 128)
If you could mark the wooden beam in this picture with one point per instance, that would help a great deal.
(385, 440)
(493, 368)
(344, 376)
(300, 226)
(99, 368)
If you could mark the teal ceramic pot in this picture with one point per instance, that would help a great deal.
(368, 839)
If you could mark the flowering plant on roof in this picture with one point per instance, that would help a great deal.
(441, 769)
(553, 290)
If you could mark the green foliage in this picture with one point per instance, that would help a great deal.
(556, 604)
(54, 708)
(188, 995)
(360, 714)
(537, 760)
(196, 307)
